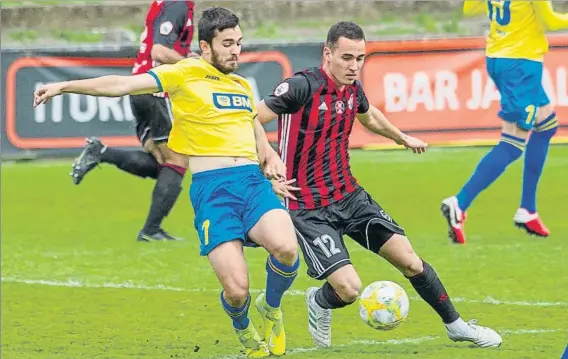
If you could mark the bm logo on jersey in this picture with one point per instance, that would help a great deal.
(230, 101)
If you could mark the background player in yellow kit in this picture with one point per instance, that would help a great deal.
(515, 49)
(217, 134)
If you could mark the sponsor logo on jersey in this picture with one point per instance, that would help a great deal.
(230, 101)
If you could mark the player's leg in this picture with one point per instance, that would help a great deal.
(376, 231)
(544, 129)
(170, 176)
(269, 225)
(221, 230)
(139, 163)
(518, 115)
(326, 258)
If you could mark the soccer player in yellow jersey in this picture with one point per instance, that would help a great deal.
(515, 49)
(216, 133)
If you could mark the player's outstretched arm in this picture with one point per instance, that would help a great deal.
(474, 7)
(375, 121)
(110, 86)
(553, 20)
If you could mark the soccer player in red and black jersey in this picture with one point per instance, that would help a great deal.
(316, 109)
(166, 39)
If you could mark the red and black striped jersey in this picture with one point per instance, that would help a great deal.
(315, 119)
(168, 23)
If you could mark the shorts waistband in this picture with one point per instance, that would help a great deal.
(227, 171)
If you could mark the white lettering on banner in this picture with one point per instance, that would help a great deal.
(437, 96)
(394, 84)
(420, 93)
(446, 87)
(82, 113)
(82, 109)
(439, 90)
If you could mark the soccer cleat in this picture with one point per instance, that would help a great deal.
(253, 346)
(87, 160)
(319, 320)
(455, 218)
(159, 236)
(274, 333)
(471, 332)
(531, 223)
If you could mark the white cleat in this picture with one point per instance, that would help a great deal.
(484, 337)
(319, 320)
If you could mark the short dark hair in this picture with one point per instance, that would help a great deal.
(215, 19)
(347, 29)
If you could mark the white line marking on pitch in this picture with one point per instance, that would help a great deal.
(405, 341)
(130, 285)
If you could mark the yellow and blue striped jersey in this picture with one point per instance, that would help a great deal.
(213, 112)
(518, 28)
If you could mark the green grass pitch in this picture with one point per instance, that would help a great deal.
(76, 284)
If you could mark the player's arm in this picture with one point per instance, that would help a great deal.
(162, 78)
(474, 7)
(375, 121)
(550, 18)
(167, 29)
(287, 98)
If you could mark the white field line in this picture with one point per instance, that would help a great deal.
(403, 341)
(130, 285)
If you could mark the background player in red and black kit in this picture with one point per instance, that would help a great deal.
(166, 39)
(316, 110)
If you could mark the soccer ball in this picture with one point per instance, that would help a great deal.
(383, 305)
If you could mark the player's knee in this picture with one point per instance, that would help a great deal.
(348, 288)
(286, 253)
(236, 292)
(544, 113)
(410, 264)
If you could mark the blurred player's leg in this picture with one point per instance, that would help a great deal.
(535, 158)
(228, 262)
(155, 113)
(274, 231)
(519, 83)
(398, 251)
(138, 163)
(165, 194)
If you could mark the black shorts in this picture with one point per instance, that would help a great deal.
(153, 117)
(320, 231)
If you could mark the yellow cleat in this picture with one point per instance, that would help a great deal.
(254, 347)
(274, 333)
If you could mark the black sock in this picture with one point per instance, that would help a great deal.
(138, 163)
(166, 192)
(431, 289)
(327, 298)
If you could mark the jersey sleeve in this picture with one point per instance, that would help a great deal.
(169, 77)
(290, 95)
(554, 21)
(362, 102)
(170, 23)
(474, 7)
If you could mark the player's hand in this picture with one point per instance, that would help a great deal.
(284, 188)
(46, 92)
(413, 143)
(275, 168)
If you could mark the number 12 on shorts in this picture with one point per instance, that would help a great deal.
(327, 245)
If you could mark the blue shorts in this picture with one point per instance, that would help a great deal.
(520, 83)
(228, 202)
